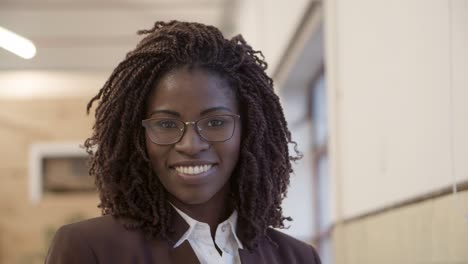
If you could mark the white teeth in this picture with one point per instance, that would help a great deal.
(193, 169)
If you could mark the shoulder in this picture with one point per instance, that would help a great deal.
(291, 248)
(103, 225)
(284, 239)
(83, 241)
(97, 230)
(69, 246)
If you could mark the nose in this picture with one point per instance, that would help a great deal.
(191, 142)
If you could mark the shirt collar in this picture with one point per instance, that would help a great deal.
(231, 221)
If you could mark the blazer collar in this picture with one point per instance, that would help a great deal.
(185, 254)
(179, 227)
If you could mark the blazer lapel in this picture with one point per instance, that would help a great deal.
(247, 256)
(184, 252)
(250, 256)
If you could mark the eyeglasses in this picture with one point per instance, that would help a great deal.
(167, 131)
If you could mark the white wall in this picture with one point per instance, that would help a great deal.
(390, 99)
(268, 25)
(300, 202)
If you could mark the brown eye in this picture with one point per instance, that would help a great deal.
(166, 124)
(215, 123)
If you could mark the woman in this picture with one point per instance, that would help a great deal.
(190, 155)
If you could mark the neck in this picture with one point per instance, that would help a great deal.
(212, 212)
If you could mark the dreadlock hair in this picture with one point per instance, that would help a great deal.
(128, 187)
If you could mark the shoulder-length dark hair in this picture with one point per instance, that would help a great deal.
(120, 164)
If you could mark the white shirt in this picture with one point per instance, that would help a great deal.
(199, 237)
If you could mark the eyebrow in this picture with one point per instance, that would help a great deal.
(213, 109)
(204, 112)
(164, 111)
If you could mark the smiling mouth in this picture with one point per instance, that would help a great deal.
(193, 170)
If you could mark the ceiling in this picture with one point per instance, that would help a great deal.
(95, 34)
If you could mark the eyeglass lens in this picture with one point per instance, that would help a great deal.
(168, 131)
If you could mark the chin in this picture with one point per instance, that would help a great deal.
(193, 199)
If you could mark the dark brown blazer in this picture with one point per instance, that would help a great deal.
(104, 240)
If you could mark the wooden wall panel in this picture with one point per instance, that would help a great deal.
(24, 122)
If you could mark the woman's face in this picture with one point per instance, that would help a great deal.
(189, 95)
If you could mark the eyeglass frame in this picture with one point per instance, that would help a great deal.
(187, 123)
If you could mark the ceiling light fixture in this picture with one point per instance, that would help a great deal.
(17, 44)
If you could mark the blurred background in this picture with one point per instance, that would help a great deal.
(375, 93)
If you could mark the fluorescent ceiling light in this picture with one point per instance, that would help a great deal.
(16, 44)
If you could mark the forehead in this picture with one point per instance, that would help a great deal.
(190, 91)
